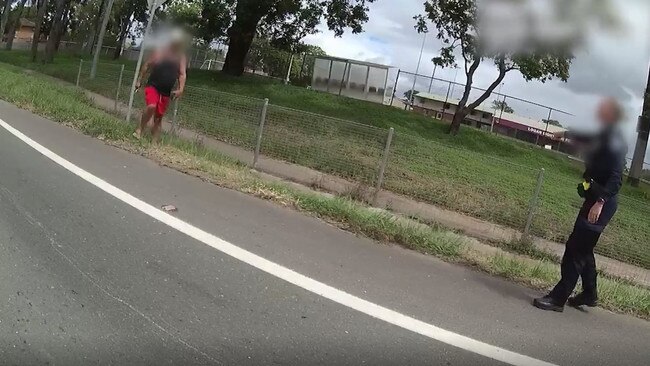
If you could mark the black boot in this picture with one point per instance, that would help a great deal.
(583, 300)
(548, 303)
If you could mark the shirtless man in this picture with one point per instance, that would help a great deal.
(165, 67)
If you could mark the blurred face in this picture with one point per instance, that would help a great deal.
(176, 47)
(608, 112)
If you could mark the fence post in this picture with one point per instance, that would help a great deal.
(174, 117)
(534, 204)
(384, 160)
(119, 87)
(260, 131)
(392, 98)
(81, 62)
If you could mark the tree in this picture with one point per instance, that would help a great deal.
(59, 21)
(15, 23)
(125, 13)
(552, 122)
(263, 56)
(502, 105)
(456, 25)
(42, 8)
(5, 16)
(207, 19)
(410, 98)
(92, 20)
(275, 61)
(303, 69)
(286, 22)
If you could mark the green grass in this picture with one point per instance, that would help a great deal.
(476, 173)
(71, 107)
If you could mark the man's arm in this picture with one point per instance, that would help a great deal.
(144, 70)
(580, 137)
(182, 78)
(617, 162)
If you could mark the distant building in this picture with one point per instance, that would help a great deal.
(444, 109)
(25, 31)
(489, 119)
(354, 79)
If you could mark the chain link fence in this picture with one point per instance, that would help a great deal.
(532, 200)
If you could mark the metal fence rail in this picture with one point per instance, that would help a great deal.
(227, 117)
(530, 199)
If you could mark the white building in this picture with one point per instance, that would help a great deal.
(353, 79)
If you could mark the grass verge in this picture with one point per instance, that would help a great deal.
(72, 108)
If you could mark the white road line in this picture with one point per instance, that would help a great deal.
(274, 269)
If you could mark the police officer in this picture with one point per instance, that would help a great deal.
(605, 162)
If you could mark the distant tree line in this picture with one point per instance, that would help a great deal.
(260, 25)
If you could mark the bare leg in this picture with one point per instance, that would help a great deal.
(148, 112)
(156, 128)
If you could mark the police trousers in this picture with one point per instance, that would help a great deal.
(579, 260)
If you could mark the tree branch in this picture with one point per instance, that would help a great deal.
(470, 81)
(502, 74)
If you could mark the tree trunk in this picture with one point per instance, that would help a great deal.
(458, 119)
(64, 27)
(117, 53)
(121, 38)
(11, 35)
(242, 33)
(239, 46)
(90, 41)
(463, 108)
(56, 29)
(37, 29)
(92, 35)
(5, 18)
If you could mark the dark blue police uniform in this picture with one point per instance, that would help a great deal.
(605, 164)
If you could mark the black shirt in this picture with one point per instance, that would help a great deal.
(605, 161)
(164, 74)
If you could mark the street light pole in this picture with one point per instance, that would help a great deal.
(642, 140)
(433, 76)
(287, 80)
(417, 70)
(153, 5)
(495, 109)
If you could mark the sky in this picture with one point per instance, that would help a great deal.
(609, 64)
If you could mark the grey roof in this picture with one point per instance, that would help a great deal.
(355, 62)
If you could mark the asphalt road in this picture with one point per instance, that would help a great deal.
(88, 279)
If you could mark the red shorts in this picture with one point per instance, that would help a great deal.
(153, 98)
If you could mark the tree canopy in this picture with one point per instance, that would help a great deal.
(456, 26)
(208, 20)
(502, 105)
(286, 22)
(409, 95)
(275, 62)
(277, 24)
(552, 122)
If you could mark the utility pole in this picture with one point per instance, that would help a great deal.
(642, 140)
(153, 5)
(100, 40)
(287, 80)
(417, 71)
(433, 77)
